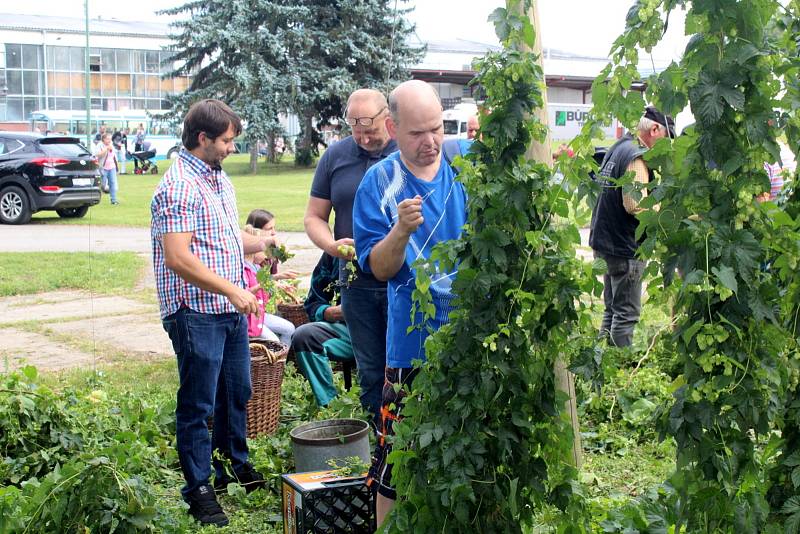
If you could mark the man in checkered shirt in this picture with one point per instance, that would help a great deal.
(198, 257)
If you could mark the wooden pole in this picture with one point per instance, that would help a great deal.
(541, 153)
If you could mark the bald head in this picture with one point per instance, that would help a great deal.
(410, 94)
(416, 123)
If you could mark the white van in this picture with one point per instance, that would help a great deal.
(455, 120)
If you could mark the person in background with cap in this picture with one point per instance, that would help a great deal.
(613, 231)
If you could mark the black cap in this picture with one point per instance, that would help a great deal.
(650, 112)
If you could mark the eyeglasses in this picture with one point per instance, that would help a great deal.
(364, 121)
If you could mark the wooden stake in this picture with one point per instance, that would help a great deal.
(541, 153)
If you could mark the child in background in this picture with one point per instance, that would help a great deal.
(263, 325)
(265, 221)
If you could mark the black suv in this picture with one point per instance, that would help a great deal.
(45, 173)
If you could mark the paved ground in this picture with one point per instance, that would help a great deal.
(67, 329)
(78, 329)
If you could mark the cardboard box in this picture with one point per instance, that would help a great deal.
(320, 502)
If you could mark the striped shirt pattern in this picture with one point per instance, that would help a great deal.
(193, 197)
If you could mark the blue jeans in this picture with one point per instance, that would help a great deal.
(622, 294)
(109, 177)
(214, 370)
(365, 312)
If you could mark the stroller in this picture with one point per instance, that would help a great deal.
(143, 163)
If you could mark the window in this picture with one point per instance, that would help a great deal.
(151, 61)
(109, 84)
(123, 60)
(58, 58)
(63, 148)
(58, 83)
(108, 62)
(78, 103)
(30, 56)
(77, 58)
(139, 57)
(124, 84)
(29, 106)
(166, 63)
(138, 83)
(62, 103)
(152, 86)
(14, 81)
(13, 56)
(30, 82)
(9, 146)
(94, 62)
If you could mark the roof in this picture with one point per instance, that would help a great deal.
(97, 26)
(29, 136)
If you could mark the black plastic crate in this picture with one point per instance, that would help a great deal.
(322, 503)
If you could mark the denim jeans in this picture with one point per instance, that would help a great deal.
(622, 294)
(110, 178)
(214, 370)
(365, 312)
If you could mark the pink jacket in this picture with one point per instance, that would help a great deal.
(255, 324)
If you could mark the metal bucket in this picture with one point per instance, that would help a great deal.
(315, 443)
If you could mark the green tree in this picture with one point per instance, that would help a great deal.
(266, 57)
(235, 51)
(340, 46)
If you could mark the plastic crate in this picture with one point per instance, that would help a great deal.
(319, 502)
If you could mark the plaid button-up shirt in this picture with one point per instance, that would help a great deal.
(193, 197)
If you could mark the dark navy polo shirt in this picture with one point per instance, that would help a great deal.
(338, 175)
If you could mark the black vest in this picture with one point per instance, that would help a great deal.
(613, 230)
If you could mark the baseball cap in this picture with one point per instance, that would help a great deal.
(666, 121)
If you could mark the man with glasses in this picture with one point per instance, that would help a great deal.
(336, 180)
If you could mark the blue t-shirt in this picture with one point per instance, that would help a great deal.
(444, 209)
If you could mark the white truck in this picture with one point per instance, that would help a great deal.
(565, 121)
(455, 120)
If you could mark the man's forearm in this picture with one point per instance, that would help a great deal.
(252, 244)
(388, 256)
(193, 271)
(319, 232)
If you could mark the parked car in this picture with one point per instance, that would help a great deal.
(45, 173)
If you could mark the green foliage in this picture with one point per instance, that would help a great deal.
(725, 264)
(485, 443)
(62, 473)
(99, 454)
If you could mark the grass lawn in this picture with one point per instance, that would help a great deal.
(23, 273)
(282, 189)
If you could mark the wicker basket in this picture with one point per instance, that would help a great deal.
(264, 407)
(294, 313)
(266, 376)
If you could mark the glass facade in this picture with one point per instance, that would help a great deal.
(54, 77)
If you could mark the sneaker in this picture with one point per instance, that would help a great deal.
(114, 202)
(247, 477)
(203, 506)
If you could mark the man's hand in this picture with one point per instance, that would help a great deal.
(333, 314)
(243, 300)
(409, 215)
(337, 249)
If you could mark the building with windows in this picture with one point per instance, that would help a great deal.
(43, 67)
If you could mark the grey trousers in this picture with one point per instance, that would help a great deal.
(622, 293)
